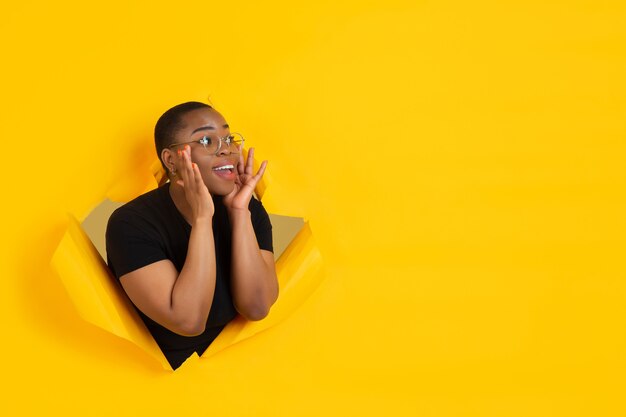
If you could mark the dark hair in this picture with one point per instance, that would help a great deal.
(170, 123)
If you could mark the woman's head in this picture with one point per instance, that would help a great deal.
(191, 122)
(170, 123)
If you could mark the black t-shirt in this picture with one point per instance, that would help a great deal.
(149, 229)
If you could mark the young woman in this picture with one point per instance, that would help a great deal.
(196, 251)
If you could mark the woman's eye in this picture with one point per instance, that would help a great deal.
(205, 140)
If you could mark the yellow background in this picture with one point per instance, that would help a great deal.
(461, 165)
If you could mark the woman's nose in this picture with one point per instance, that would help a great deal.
(223, 148)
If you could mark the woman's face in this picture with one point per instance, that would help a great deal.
(208, 122)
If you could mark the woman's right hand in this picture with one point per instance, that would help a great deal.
(196, 192)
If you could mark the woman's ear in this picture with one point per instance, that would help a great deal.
(168, 158)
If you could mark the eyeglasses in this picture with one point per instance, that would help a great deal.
(234, 142)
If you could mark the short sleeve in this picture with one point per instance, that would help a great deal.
(131, 243)
(261, 224)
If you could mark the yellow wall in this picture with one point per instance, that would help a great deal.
(460, 163)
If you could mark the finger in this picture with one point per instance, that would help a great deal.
(182, 163)
(252, 182)
(197, 174)
(181, 167)
(187, 161)
(250, 161)
(187, 153)
(240, 169)
(187, 171)
(261, 171)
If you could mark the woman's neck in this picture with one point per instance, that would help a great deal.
(180, 201)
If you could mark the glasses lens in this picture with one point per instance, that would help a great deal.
(210, 144)
(234, 140)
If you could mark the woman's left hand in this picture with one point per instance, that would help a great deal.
(245, 183)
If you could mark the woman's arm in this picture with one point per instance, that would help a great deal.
(181, 302)
(253, 273)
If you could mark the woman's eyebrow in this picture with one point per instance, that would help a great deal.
(208, 128)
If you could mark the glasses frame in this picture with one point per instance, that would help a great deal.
(204, 142)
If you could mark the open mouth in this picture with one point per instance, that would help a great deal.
(225, 171)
